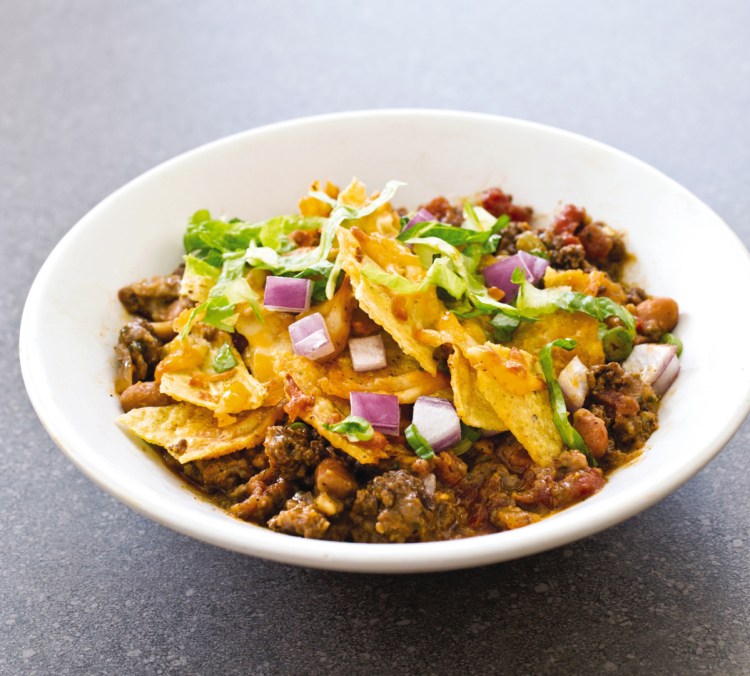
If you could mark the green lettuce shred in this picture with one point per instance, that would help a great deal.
(569, 434)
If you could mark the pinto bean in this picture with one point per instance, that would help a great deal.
(657, 316)
(593, 430)
(334, 478)
(144, 393)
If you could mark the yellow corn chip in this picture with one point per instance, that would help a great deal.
(402, 316)
(471, 405)
(402, 377)
(533, 336)
(190, 432)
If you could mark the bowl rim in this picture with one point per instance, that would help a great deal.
(346, 556)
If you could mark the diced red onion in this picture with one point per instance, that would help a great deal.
(437, 421)
(499, 274)
(574, 383)
(667, 377)
(649, 360)
(368, 353)
(422, 216)
(287, 294)
(381, 410)
(310, 337)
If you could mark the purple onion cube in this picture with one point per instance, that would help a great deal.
(287, 294)
(310, 337)
(437, 421)
(368, 353)
(422, 216)
(499, 274)
(380, 410)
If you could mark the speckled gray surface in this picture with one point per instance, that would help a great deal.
(92, 94)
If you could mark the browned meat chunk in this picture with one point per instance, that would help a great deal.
(265, 495)
(444, 211)
(303, 238)
(223, 473)
(155, 298)
(293, 453)
(395, 507)
(625, 403)
(299, 517)
(138, 350)
(509, 238)
(145, 393)
(569, 482)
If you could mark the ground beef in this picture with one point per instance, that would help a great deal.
(570, 481)
(509, 236)
(265, 493)
(396, 507)
(574, 242)
(156, 298)
(293, 453)
(626, 404)
(224, 473)
(564, 252)
(444, 211)
(299, 517)
(137, 351)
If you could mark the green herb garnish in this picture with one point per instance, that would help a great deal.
(468, 436)
(418, 443)
(223, 359)
(353, 428)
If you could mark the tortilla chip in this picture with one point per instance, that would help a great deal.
(507, 380)
(190, 432)
(595, 283)
(583, 328)
(384, 220)
(402, 316)
(470, 403)
(327, 410)
(225, 393)
(529, 418)
(402, 377)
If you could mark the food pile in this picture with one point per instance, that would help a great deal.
(360, 373)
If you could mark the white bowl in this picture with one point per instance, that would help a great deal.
(684, 250)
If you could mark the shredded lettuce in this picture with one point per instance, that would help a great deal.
(274, 233)
(477, 293)
(439, 274)
(268, 259)
(353, 427)
(231, 288)
(534, 303)
(487, 239)
(210, 238)
(198, 279)
(569, 434)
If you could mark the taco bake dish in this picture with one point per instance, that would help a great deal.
(362, 373)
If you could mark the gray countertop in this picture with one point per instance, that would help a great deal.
(94, 93)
